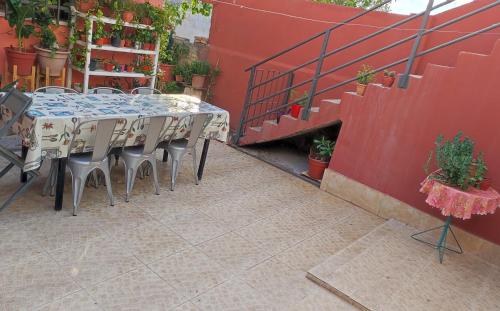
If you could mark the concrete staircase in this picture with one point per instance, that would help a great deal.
(331, 111)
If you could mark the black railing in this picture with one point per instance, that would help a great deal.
(255, 97)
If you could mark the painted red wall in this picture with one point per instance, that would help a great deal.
(240, 37)
(386, 135)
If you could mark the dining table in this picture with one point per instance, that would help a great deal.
(47, 127)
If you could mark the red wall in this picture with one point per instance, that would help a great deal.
(386, 135)
(240, 37)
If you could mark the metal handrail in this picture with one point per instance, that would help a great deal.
(323, 54)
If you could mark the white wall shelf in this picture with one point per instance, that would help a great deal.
(87, 73)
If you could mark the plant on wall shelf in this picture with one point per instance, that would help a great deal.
(365, 75)
(456, 163)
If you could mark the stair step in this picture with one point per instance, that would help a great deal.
(332, 101)
(256, 128)
(271, 122)
(314, 109)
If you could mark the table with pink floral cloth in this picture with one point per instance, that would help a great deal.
(454, 202)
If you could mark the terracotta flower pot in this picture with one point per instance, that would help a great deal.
(148, 46)
(130, 68)
(179, 78)
(167, 72)
(24, 60)
(295, 110)
(388, 81)
(128, 43)
(146, 21)
(100, 41)
(128, 16)
(109, 67)
(316, 168)
(85, 5)
(55, 61)
(360, 89)
(107, 41)
(198, 81)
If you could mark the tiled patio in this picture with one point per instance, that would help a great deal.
(242, 240)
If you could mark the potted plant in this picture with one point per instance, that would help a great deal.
(85, 6)
(389, 77)
(116, 33)
(145, 66)
(49, 54)
(128, 7)
(169, 57)
(365, 76)
(144, 11)
(130, 68)
(172, 88)
(109, 65)
(100, 35)
(319, 157)
(456, 163)
(178, 73)
(295, 108)
(200, 70)
(23, 58)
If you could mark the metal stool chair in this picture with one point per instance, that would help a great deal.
(145, 91)
(82, 164)
(105, 90)
(177, 148)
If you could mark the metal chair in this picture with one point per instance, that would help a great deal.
(105, 90)
(107, 132)
(145, 91)
(14, 103)
(55, 90)
(137, 155)
(195, 124)
(50, 183)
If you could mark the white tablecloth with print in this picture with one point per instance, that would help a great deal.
(47, 128)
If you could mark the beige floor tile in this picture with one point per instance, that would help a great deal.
(233, 252)
(32, 283)
(17, 245)
(188, 306)
(299, 222)
(321, 300)
(196, 227)
(136, 290)
(151, 241)
(232, 295)
(232, 215)
(190, 272)
(95, 261)
(79, 301)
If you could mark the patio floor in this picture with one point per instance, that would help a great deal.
(241, 240)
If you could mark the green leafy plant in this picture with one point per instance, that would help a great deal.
(18, 19)
(322, 149)
(302, 99)
(172, 55)
(365, 75)
(201, 68)
(99, 29)
(388, 73)
(456, 162)
(172, 88)
(365, 4)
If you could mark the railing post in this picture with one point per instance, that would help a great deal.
(248, 98)
(307, 109)
(405, 78)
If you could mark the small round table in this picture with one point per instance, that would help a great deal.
(454, 202)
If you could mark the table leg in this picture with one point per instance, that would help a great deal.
(165, 155)
(61, 173)
(24, 153)
(203, 159)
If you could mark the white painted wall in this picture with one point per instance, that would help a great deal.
(194, 26)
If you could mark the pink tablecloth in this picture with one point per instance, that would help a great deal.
(457, 203)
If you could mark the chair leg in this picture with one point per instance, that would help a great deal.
(130, 173)
(78, 186)
(107, 178)
(195, 173)
(176, 163)
(117, 159)
(155, 175)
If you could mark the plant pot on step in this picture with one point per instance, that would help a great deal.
(54, 60)
(295, 110)
(316, 168)
(361, 89)
(116, 41)
(198, 81)
(23, 59)
(167, 72)
(388, 81)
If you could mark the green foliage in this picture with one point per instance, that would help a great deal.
(365, 75)
(456, 162)
(18, 20)
(172, 88)
(365, 4)
(389, 73)
(303, 98)
(173, 54)
(322, 148)
(201, 68)
(185, 71)
(99, 29)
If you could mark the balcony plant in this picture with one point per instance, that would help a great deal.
(49, 53)
(22, 57)
(364, 76)
(319, 157)
(100, 36)
(295, 108)
(456, 163)
(200, 71)
(178, 73)
(85, 6)
(109, 65)
(170, 56)
(144, 11)
(389, 77)
(128, 7)
(117, 32)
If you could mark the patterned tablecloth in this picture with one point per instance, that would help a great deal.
(457, 203)
(47, 127)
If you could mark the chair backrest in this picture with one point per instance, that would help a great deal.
(105, 90)
(55, 90)
(196, 124)
(145, 91)
(105, 134)
(156, 128)
(13, 103)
